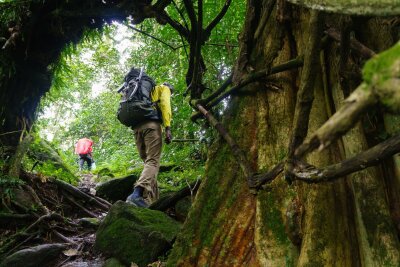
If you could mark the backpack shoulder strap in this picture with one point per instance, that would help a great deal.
(137, 80)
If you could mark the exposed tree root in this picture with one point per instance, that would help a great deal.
(56, 208)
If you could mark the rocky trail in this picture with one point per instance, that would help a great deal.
(52, 223)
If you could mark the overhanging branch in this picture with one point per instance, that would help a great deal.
(151, 36)
(291, 64)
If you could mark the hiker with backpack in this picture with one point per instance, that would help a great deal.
(84, 148)
(144, 107)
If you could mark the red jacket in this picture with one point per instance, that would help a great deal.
(84, 146)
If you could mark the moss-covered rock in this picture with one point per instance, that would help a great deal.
(116, 189)
(137, 235)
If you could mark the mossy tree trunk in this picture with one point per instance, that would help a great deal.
(349, 222)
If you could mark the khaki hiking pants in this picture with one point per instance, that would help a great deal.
(148, 138)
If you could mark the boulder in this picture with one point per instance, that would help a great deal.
(40, 255)
(137, 235)
(116, 189)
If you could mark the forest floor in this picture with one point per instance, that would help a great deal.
(49, 211)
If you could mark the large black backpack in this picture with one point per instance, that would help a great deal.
(136, 106)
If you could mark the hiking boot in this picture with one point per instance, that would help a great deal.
(137, 201)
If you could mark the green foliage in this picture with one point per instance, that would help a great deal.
(7, 184)
(82, 101)
(47, 161)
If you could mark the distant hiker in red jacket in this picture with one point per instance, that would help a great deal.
(84, 149)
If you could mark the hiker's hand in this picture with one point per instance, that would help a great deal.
(168, 135)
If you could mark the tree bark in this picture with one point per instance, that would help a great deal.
(344, 223)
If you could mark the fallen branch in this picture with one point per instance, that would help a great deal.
(373, 156)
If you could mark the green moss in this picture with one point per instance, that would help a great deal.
(272, 217)
(380, 68)
(137, 235)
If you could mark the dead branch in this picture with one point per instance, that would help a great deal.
(363, 50)
(237, 152)
(164, 203)
(291, 64)
(373, 156)
(343, 120)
